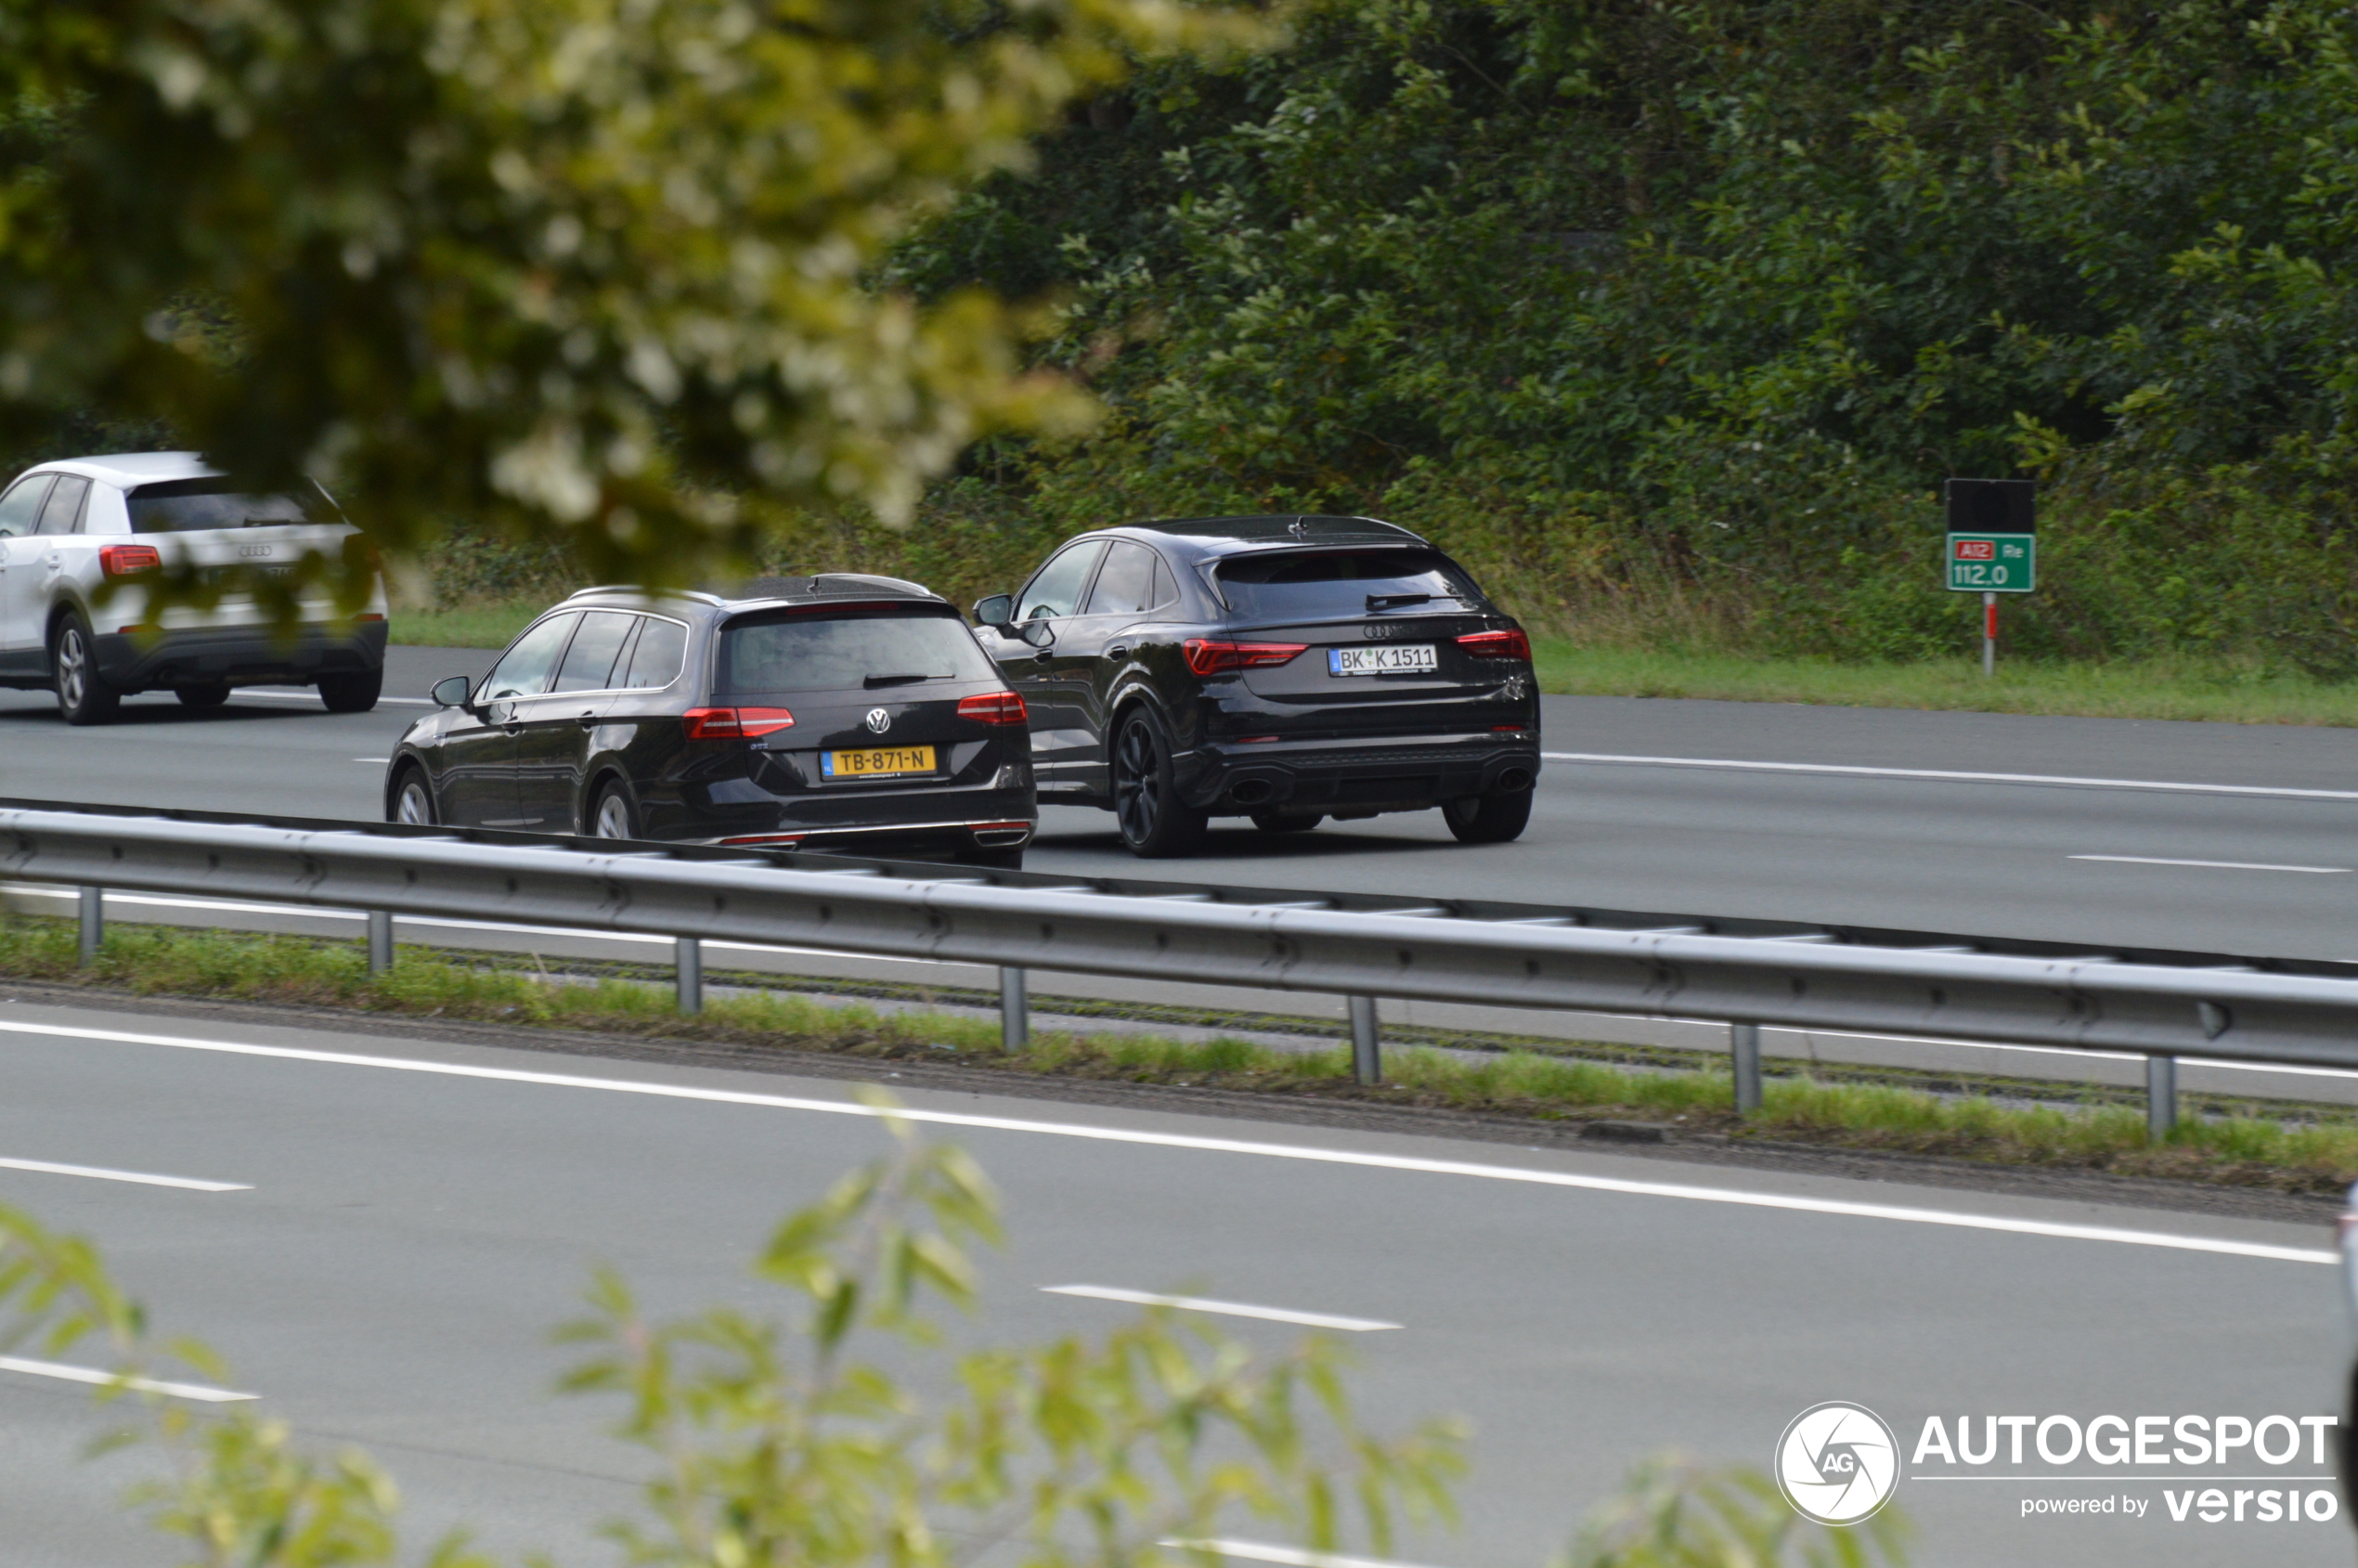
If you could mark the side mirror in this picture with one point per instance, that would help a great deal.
(997, 610)
(452, 693)
(1040, 634)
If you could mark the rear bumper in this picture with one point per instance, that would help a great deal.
(239, 655)
(988, 816)
(1358, 776)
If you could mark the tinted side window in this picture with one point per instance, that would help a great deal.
(589, 662)
(525, 671)
(1127, 584)
(20, 508)
(63, 514)
(1057, 588)
(655, 661)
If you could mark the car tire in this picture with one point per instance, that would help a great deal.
(355, 692)
(612, 815)
(1279, 821)
(83, 697)
(213, 695)
(413, 800)
(1154, 822)
(1488, 819)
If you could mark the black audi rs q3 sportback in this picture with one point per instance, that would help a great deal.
(845, 712)
(1284, 669)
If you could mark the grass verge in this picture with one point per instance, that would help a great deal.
(2215, 691)
(2319, 1154)
(482, 624)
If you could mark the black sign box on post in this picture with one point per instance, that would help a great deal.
(1992, 506)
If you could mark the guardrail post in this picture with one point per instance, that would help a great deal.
(379, 941)
(1015, 1009)
(94, 924)
(2162, 1096)
(1367, 1050)
(1743, 1049)
(688, 956)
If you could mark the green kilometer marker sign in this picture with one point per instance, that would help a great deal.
(1993, 563)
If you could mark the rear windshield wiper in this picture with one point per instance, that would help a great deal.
(1396, 601)
(875, 681)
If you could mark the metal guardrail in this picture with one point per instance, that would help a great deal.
(1748, 973)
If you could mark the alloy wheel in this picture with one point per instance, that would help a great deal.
(614, 816)
(1137, 782)
(414, 806)
(73, 668)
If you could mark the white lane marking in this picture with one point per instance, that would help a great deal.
(296, 693)
(2216, 865)
(372, 759)
(1226, 1309)
(47, 1168)
(1795, 1204)
(145, 1385)
(1945, 776)
(1292, 1557)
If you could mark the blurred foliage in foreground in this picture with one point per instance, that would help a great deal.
(1671, 318)
(592, 272)
(784, 1445)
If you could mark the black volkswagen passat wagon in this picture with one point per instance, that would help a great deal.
(844, 712)
(1285, 668)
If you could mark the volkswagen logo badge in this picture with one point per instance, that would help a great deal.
(879, 721)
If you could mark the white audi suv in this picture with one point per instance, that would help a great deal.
(69, 529)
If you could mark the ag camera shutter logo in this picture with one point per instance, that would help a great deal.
(1837, 1463)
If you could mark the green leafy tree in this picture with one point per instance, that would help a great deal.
(583, 271)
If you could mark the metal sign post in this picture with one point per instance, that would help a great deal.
(1992, 549)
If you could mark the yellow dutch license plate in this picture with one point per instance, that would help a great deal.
(882, 763)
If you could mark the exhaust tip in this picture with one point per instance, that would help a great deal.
(1253, 792)
(1514, 780)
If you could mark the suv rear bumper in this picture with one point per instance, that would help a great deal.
(1358, 775)
(988, 816)
(239, 655)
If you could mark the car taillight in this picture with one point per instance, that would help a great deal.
(122, 560)
(1209, 658)
(994, 707)
(734, 723)
(1509, 645)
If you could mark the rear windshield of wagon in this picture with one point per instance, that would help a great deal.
(182, 506)
(865, 648)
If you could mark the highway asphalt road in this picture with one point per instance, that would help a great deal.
(2204, 836)
(2268, 873)
(407, 1232)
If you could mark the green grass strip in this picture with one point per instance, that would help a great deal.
(2317, 1152)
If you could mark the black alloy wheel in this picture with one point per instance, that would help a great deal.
(210, 695)
(352, 693)
(84, 696)
(612, 816)
(1155, 824)
(1279, 821)
(1488, 819)
(413, 799)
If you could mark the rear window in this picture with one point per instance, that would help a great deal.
(181, 506)
(846, 651)
(1345, 582)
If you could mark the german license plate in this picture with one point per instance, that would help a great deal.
(882, 763)
(1384, 659)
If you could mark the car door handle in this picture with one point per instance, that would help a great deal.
(1119, 650)
(588, 721)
